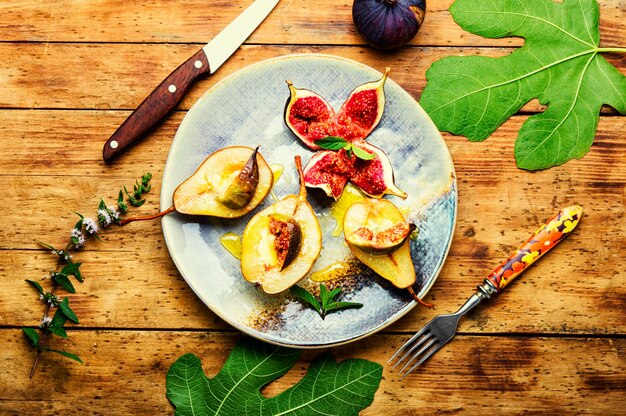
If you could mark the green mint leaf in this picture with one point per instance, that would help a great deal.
(48, 246)
(348, 147)
(559, 64)
(335, 306)
(333, 293)
(121, 204)
(323, 293)
(64, 281)
(340, 389)
(72, 269)
(36, 286)
(332, 143)
(64, 306)
(138, 203)
(57, 330)
(66, 354)
(328, 304)
(32, 335)
(59, 319)
(102, 205)
(363, 154)
(306, 296)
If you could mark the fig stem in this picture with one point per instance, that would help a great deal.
(148, 217)
(418, 300)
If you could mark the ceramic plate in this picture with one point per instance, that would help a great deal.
(247, 109)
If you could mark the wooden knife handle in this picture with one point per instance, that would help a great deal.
(546, 237)
(156, 106)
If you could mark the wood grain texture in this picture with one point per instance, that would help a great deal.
(527, 375)
(120, 76)
(195, 21)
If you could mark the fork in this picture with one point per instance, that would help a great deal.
(442, 328)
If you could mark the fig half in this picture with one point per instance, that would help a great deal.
(281, 243)
(310, 117)
(362, 111)
(330, 170)
(241, 191)
(375, 227)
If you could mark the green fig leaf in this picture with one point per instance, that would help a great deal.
(559, 65)
(328, 387)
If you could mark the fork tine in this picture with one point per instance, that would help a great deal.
(432, 342)
(406, 344)
(426, 337)
(424, 358)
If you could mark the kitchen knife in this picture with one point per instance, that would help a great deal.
(168, 94)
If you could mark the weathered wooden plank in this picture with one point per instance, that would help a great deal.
(120, 76)
(195, 21)
(124, 373)
(62, 142)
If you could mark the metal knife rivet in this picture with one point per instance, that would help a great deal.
(172, 88)
(114, 144)
(198, 64)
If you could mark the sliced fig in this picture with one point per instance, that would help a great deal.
(362, 111)
(240, 192)
(375, 177)
(329, 170)
(309, 116)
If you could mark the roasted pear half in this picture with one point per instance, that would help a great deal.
(230, 183)
(281, 243)
(378, 235)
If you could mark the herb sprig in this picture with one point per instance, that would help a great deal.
(82, 230)
(338, 143)
(326, 303)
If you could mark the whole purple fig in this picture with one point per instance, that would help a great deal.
(388, 24)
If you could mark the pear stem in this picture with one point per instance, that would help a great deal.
(148, 217)
(418, 300)
(298, 160)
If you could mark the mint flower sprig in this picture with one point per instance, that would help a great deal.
(84, 229)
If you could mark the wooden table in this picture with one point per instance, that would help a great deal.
(72, 71)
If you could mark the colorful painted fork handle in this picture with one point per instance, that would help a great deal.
(546, 237)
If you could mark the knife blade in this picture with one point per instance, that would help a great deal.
(162, 101)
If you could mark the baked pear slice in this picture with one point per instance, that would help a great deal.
(230, 183)
(281, 243)
(378, 236)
